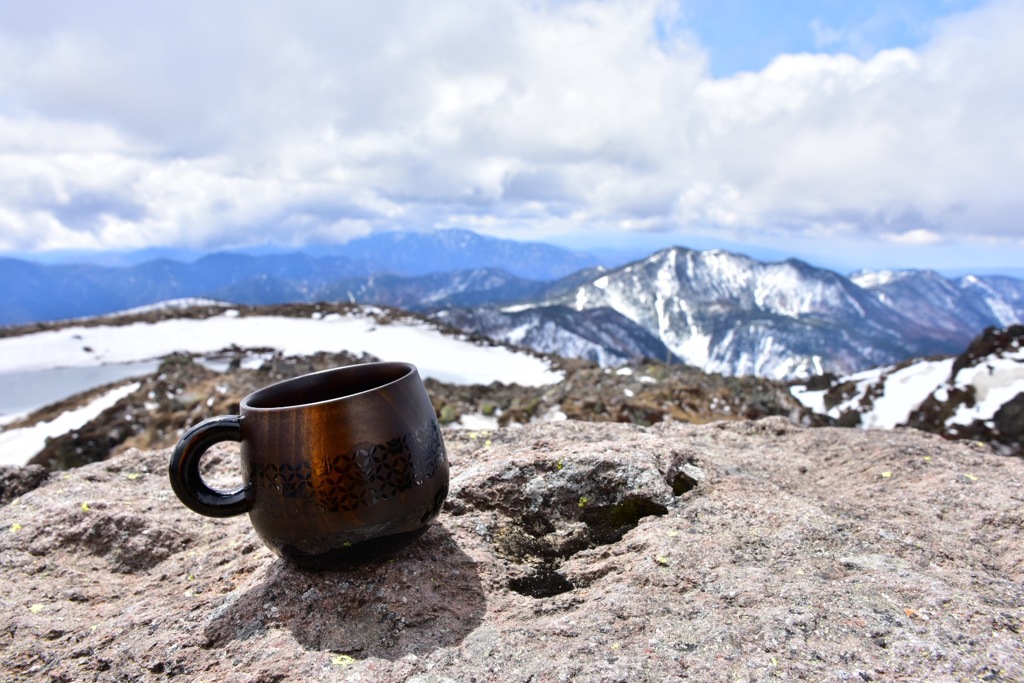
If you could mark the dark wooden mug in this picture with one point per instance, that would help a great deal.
(338, 467)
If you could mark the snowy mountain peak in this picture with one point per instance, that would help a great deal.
(729, 313)
(726, 312)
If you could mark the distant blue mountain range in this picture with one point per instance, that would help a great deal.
(33, 292)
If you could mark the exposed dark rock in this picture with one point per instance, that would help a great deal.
(15, 481)
(1009, 420)
(992, 341)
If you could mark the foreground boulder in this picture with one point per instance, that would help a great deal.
(568, 551)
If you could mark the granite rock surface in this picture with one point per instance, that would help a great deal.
(731, 551)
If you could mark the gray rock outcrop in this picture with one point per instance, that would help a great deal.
(568, 551)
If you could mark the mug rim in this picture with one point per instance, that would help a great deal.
(246, 403)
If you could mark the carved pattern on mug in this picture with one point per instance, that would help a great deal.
(368, 474)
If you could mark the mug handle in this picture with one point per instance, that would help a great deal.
(188, 484)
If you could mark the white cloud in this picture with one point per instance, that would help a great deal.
(123, 124)
(920, 236)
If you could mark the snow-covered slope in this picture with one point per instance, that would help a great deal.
(134, 337)
(448, 358)
(728, 313)
(940, 308)
(1003, 296)
(880, 398)
(978, 394)
(17, 446)
(600, 335)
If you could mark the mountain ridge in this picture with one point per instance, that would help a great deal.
(729, 313)
(714, 309)
(34, 292)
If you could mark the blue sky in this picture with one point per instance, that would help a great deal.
(849, 134)
(744, 35)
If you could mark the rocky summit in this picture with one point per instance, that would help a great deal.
(568, 551)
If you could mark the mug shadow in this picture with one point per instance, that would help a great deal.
(428, 596)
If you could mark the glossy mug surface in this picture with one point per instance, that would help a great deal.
(338, 467)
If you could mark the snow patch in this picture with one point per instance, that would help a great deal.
(905, 390)
(867, 279)
(812, 400)
(445, 358)
(996, 381)
(815, 400)
(475, 422)
(18, 446)
(581, 299)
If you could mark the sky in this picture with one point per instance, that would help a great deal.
(850, 133)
